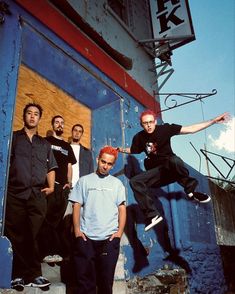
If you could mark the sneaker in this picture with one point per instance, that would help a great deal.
(200, 197)
(17, 284)
(153, 222)
(52, 258)
(39, 282)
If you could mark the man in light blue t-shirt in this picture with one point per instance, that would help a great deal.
(99, 226)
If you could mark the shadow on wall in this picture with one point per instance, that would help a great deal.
(135, 216)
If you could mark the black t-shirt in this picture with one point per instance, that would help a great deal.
(64, 155)
(156, 145)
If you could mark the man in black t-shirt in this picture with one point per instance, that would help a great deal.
(162, 165)
(51, 241)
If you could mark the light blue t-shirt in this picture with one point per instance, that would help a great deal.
(100, 198)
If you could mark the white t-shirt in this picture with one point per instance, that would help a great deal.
(100, 198)
(75, 167)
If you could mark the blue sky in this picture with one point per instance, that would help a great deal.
(203, 65)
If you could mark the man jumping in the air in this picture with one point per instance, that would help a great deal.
(162, 165)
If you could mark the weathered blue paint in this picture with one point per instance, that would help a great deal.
(106, 130)
(10, 35)
(114, 121)
(6, 262)
(64, 70)
(191, 226)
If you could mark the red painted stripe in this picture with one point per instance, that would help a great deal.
(56, 22)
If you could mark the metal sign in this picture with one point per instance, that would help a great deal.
(172, 22)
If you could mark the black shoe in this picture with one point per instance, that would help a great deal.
(152, 222)
(39, 282)
(17, 284)
(200, 197)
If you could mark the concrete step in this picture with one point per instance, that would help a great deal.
(53, 274)
(120, 287)
(55, 288)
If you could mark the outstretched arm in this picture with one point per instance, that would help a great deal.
(203, 125)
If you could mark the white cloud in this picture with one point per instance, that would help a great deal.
(226, 138)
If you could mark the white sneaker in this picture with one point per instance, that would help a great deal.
(199, 197)
(52, 258)
(18, 284)
(153, 222)
(39, 282)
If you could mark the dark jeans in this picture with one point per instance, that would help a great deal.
(95, 265)
(172, 169)
(50, 239)
(23, 221)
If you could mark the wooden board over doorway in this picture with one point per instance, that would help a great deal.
(34, 88)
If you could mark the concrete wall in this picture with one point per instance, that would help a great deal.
(123, 38)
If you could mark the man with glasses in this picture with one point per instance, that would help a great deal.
(162, 165)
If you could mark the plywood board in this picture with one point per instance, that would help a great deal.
(34, 88)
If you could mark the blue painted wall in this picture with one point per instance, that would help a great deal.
(10, 36)
(188, 227)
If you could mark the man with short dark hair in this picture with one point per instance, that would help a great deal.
(51, 240)
(162, 165)
(32, 163)
(84, 165)
(100, 225)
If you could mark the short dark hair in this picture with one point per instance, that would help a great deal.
(54, 117)
(34, 105)
(78, 125)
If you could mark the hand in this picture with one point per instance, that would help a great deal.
(79, 233)
(123, 150)
(47, 190)
(67, 185)
(223, 118)
(115, 235)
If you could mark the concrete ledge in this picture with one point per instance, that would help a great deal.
(56, 288)
(120, 287)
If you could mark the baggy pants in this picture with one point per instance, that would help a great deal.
(95, 263)
(23, 221)
(172, 169)
(51, 238)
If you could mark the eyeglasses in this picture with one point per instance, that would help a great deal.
(150, 122)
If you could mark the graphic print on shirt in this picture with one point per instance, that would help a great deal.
(99, 189)
(60, 149)
(151, 148)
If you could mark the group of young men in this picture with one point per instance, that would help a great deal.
(47, 172)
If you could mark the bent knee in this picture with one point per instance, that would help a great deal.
(134, 181)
